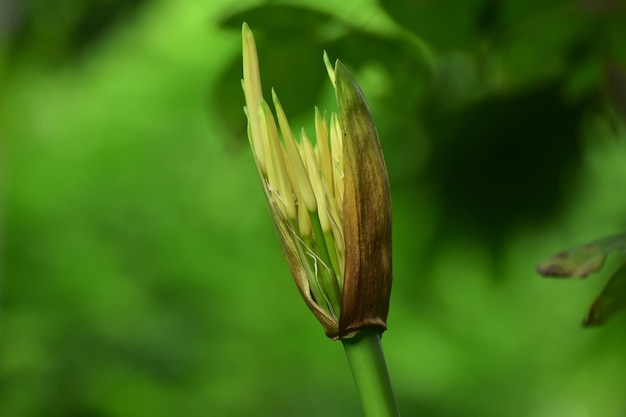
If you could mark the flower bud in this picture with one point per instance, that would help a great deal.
(329, 200)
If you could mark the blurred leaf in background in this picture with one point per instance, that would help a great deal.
(52, 34)
(140, 276)
(580, 261)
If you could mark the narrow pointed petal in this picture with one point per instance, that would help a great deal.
(277, 176)
(253, 93)
(336, 150)
(323, 146)
(316, 182)
(303, 183)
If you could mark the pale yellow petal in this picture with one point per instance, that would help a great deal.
(316, 182)
(279, 179)
(336, 143)
(302, 180)
(253, 93)
(323, 147)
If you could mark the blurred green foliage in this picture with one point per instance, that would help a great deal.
(141, 275)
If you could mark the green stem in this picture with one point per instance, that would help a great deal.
(367, 361)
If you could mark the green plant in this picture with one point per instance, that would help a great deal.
(331, 206)
(580, 261)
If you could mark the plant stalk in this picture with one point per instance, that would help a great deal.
(367, 361)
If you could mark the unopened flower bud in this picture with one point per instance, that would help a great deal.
(329, 200)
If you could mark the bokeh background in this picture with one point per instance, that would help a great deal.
(141, 275)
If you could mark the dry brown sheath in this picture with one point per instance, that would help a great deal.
(366, 213)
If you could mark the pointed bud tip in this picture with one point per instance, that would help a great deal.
(330, 69)
(246, 32)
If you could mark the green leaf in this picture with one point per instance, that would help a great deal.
(611, 300)
(580, 261)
